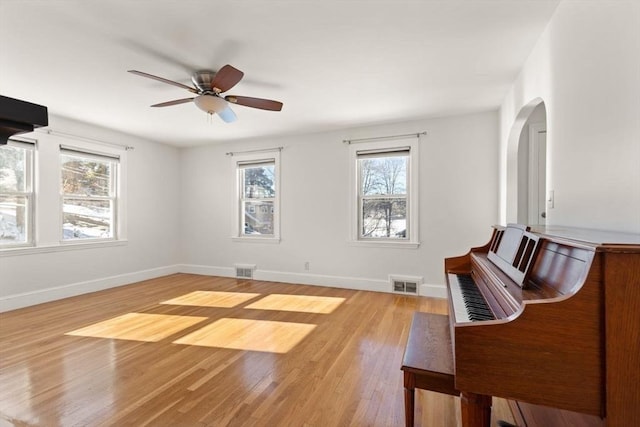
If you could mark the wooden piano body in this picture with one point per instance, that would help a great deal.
(564, 344)
(567, 327)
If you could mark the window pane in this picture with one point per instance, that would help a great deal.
(384, 218)
(258, 218)
(383, 175)
(13, 169)
(86, 177)
(259, 182)
(14, 227)
(87, 219)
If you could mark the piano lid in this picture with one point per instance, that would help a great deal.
(589, 236)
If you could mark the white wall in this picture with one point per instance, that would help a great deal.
(152, 247)
(180, 213)
(586, 68)
(458, 205)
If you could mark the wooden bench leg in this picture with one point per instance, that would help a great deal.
(409, 398)
(476, 410)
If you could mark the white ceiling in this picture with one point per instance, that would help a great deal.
(333, 63)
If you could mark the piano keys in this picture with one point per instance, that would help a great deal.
(467, 301)
(554, 322)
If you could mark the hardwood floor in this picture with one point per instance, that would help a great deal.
(175, 351)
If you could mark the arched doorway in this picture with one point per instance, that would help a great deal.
(527, 166)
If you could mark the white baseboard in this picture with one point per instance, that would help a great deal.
(433, 291)
(357, 283)
(207, 270)
(13, 302)
(297, 278)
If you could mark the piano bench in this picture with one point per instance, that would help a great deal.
(428, 359)
(428, 364)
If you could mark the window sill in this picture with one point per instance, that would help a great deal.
(62, 247)
(271, 240)
(384, 244)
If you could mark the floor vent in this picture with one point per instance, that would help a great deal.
(244, 271)
(405, 285)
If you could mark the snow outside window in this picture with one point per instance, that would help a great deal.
(384, 193)
(88, 193)
(383, 198)
(16, 194)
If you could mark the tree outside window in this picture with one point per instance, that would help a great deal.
(258, 198)
(88, 196)
(383, 195)
(16, 194)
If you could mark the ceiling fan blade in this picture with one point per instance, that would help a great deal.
(227, 115)
(263, 104)
(226, 78)
(163, 80)
(175, 102)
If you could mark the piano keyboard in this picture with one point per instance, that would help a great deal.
(467, 301)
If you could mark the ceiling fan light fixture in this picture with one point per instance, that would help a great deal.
(210, 103)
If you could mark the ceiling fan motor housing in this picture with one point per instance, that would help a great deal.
(202, 79)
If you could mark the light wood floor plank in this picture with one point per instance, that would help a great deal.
(89, 361)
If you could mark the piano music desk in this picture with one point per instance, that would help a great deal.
(428, 365)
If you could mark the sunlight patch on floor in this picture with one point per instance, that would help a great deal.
(212, 299)
(138, 327)
(247, 334)
(300, 303)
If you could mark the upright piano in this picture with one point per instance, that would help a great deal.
(549, 319)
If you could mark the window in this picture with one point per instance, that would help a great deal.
(382, 194)
(385, 193)
(58, 198)
(258, 204)
(88, 193)
(16, 193)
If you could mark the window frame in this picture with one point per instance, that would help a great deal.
(244, 161)
(113, 197)
(390, 146)
(30, 146)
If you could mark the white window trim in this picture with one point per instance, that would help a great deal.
(413, 239)
(30, 145)
(256, 157)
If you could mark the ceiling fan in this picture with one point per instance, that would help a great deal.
(208, 88)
